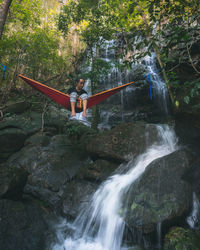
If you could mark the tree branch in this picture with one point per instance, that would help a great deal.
(190, 58)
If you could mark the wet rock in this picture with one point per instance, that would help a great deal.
(160, 194)
(125, 141)
(97, 171)
(180, 238)
(22, 226)
(193, 176)
(12, 182)
(77, 196)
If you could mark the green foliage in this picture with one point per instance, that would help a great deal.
(34, 53)
(25, 13)
(179, 238)
(32, 45)
(193, 90)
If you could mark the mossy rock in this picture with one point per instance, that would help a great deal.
(16, 107)
(182, 239)
(160, 194)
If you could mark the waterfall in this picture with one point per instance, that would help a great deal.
(160, 91)
(100, 226)
(193, 218)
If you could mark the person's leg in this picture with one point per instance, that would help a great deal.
(84, 97)
(73, 96)
(84, 108)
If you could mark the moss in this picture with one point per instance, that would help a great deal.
(149, 208)
(179, 238)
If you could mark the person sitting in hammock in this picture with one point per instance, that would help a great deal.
(78, 92)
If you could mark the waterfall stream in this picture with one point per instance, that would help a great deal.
(101, 225)
(160, 91)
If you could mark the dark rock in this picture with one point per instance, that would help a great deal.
(55, 118)
(22, 226)
(193, 176)
(187, 126)
(97, 171)
(12, 182)
(16, 128)
(160, 194)
(123, 142)
(77, 196)
(39, 139)
(16, 108)
(12, 140)
(51, 165)
(180, 238)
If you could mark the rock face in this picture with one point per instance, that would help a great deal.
(97, 171)
(77, 195)
(12, 182)
(123, 142)
(21, 225)
(187, 127)
(51, 164)
(17, 107)
(160, 194)
(15, 129)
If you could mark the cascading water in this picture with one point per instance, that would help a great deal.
(160, 92)
(101, 227)
(193, 218)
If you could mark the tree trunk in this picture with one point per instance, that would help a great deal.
(3, 14)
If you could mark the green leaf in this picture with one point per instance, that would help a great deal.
(187, 99)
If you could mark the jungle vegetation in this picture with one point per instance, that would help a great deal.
(49, 39)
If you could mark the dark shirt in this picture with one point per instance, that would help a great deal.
(73, 89)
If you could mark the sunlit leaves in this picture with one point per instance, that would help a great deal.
(26, 12)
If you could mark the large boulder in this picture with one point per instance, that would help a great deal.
(16, 128)
(187, 126)
(22, 225)
(12, 139)
(122, 143)
(51, 163)
(160, 195)
(193, 176)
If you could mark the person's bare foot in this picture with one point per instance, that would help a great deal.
(73, 114)
(84, 114)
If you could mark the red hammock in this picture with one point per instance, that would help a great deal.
(64, 99)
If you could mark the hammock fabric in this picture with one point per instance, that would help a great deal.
(64, 99)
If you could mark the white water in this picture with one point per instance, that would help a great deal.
(100, 226)
(160, 91)
(193, 218)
